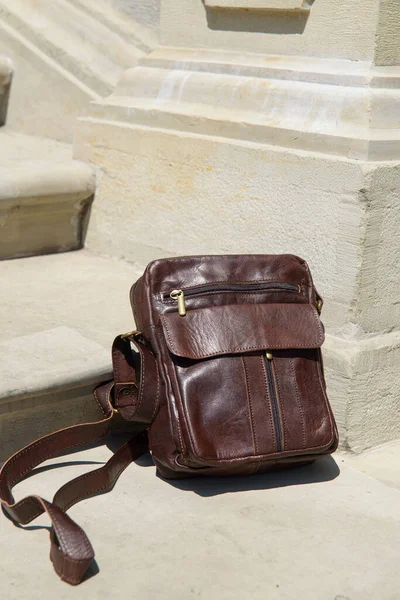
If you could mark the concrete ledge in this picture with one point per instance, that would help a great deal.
(44, 198)
(47, 380)
(86, 293)
(284, 101)
(40, 181)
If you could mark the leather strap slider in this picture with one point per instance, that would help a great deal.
(130, 334)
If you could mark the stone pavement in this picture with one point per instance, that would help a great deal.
(329, 531)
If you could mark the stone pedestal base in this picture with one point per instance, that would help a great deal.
(205, 152)
(363, 378)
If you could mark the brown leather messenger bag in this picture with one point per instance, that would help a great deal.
(224, 373)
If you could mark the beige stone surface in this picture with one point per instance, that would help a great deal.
(45, 97)
(45, 196)
(47, 380)
(60, 315)
(380, 463)
(305, 533)
(209, 194)
(332, 28)
(284, 101)
(65, 55)
(77, 290)
(387, 48)
(137, 23)
(363, 381)
(79, 43)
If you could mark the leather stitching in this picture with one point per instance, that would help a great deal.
(51, 455)
(292, 368)
(95, 491)
(157, 393)
(70, 578)
(180, 437)
(27, 500)
(318, 366)
(251, 416)
(115, 363)
(142, 379)
(60, 533)
(177, 420)
(97, 399)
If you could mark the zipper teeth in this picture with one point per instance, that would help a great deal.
(274, 404)
(238, 288)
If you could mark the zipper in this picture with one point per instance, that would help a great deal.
(180, 295)
(273, 394)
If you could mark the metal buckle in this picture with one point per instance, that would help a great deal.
(123, 336)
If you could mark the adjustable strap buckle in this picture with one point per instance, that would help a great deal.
(134, 333)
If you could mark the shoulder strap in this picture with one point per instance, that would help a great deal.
(71, 552)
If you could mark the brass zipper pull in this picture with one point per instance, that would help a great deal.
(180, 297)
(269, 355)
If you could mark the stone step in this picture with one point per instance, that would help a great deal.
(6, 71)
(62, 313)
(179, 89)
(45, 196)
(47, 382)
(66, 54)
(45, 97)
(85, 47)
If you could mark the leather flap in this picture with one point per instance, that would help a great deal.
(238, 328)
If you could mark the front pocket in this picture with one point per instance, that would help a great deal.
(238, 401)
(217, 407)
(249, 406)
(306, 415)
